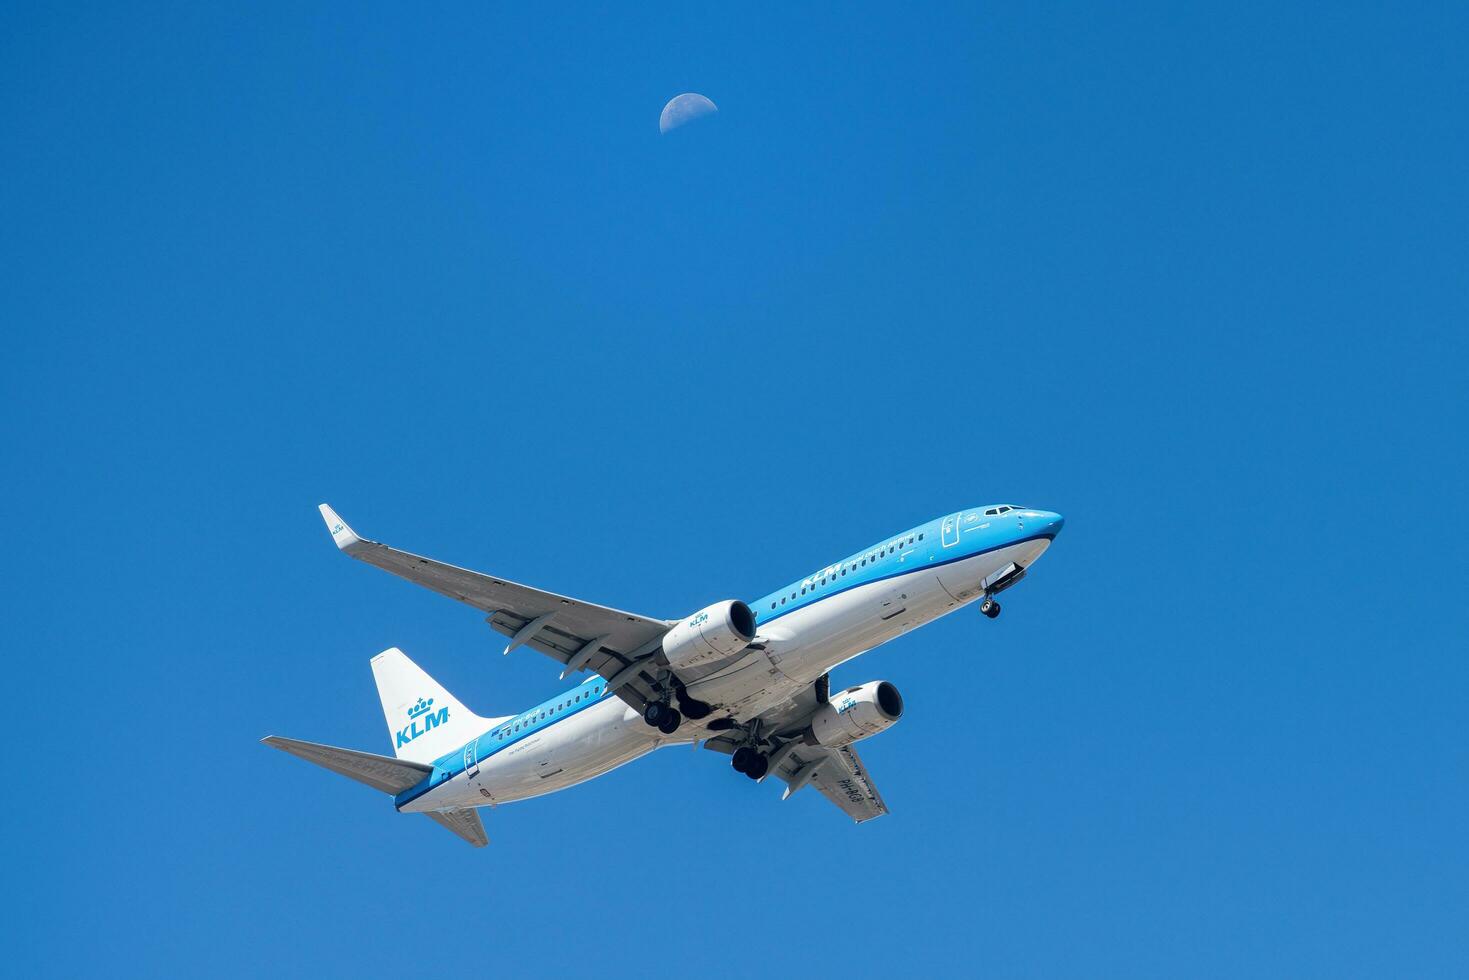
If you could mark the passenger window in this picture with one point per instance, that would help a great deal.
(920, 536)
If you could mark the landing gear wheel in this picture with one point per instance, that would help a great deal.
(653, 713)
(670, 721)
(758, 768)
(989, 607)
(743, 757)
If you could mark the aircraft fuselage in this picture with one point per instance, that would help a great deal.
(804, 630)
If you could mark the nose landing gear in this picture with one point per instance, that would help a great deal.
(990, 607)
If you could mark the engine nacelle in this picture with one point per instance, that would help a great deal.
(710, 634)
(855, 714)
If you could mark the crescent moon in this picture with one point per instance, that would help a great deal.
(683, 109)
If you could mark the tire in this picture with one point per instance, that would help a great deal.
(653, 713)
(670, 721)
(759, 767)
(742, 758)
(994, 610)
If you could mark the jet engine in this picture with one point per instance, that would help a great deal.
(710, 634)
(855, 714)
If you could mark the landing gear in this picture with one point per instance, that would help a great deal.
(692, 709)
(989, 607)
(663, 717)
(750, 762)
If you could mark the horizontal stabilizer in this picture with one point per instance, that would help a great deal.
(463, 822)
(378, 771)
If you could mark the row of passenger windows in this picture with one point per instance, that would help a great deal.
(549, 712)
(851, 567)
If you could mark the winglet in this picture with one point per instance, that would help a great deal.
(345, 538)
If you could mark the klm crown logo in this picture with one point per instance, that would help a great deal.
(422, 718)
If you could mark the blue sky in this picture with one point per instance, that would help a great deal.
(1194, 278)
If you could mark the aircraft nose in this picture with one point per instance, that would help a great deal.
(1053, 522)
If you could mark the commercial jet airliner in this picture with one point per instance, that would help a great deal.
(749, 680)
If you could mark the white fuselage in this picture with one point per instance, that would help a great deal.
(799, 647)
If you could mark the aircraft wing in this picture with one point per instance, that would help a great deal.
(571, 632)
(838, 774)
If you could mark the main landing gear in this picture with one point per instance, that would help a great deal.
(990, 607)
(692, 708)
(750, 762)
(663, 717)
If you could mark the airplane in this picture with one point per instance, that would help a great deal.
(749, 680)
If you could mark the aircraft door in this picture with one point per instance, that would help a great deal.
(950, 531)
(471, 758)
(961, 579)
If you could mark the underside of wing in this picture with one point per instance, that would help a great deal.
(577, 634)
(838, 774)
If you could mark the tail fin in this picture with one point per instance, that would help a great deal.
(424, 720)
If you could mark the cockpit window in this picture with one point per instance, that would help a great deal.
(1002, 509)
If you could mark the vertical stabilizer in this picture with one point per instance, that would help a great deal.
(424, 720)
